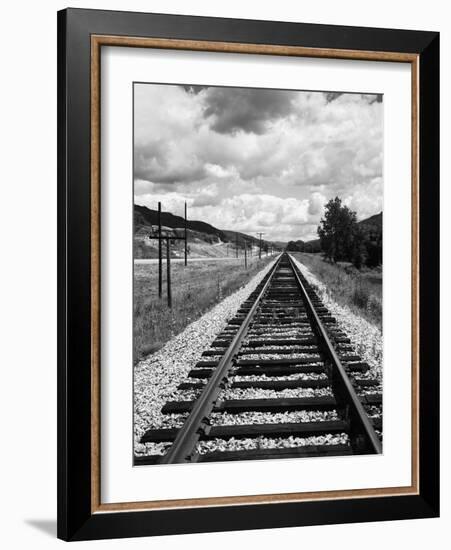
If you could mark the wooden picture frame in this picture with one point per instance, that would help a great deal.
(81, 35)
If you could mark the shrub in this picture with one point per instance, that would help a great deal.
(346, 285)
(360, 295)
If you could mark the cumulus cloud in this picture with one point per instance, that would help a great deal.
(257, 160)
(278, 218)
(316, 204)
(247, 109)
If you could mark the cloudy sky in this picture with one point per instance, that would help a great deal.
(256, 160)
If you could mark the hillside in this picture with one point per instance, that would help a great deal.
(372, 229)
(144, 216)
(374, 220)
(373, 223)
(204, 240)
(233, 236)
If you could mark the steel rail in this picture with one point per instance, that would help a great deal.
(363, 437)
(188, 434)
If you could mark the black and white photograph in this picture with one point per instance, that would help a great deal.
(248, 251)
(257, 273)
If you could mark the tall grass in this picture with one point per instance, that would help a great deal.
(361, 291)
(195, 289)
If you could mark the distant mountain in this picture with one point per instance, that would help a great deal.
(146, 216)
(241, 238)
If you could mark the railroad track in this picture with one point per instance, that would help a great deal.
(280, 381)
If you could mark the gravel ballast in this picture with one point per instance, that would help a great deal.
(247, 444)
(258, 393)
(265, 378)
(288, 417)
(275, 356)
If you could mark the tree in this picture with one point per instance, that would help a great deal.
(359, 249)
(340, 237)
(373, 245)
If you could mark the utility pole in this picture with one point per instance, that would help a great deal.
(186, 241)
(245, 254)
(158, 235)
(160, 255)
(260, 247)
(236, 244)
(168, 267)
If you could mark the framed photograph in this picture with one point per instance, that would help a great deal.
(248, 274)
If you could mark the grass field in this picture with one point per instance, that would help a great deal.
(195, 289)
(361, 290)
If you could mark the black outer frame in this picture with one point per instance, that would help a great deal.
(75, 520)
